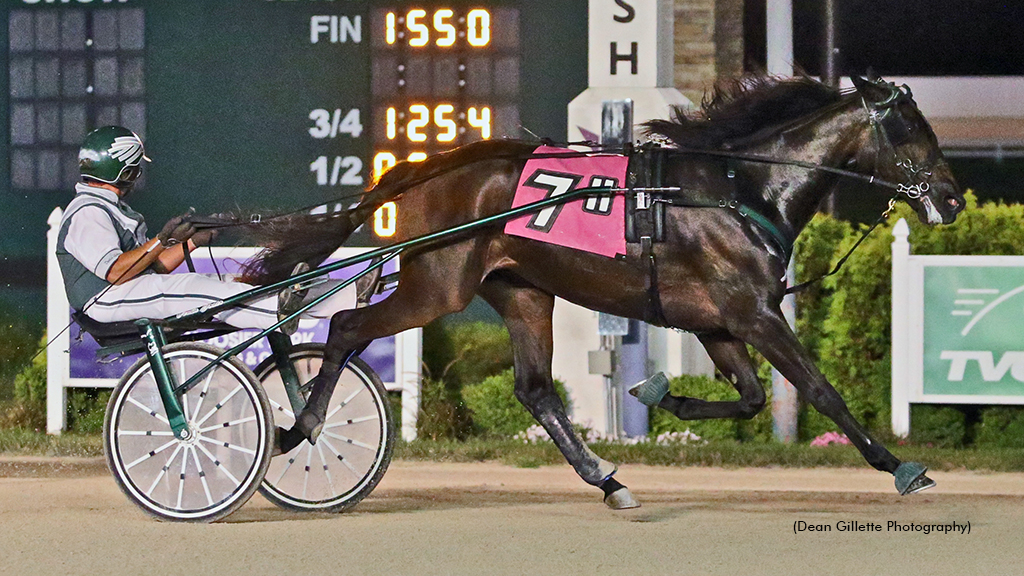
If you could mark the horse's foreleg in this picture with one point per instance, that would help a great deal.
(527, 314)
(731, 358)
(773, 338)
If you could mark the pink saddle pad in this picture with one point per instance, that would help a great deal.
(594, 224)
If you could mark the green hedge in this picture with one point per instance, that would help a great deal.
(495, 409)
(454, 356)
(27, 409)
(846, 321)
(1000, 427)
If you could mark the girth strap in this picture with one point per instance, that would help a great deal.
(654, 314)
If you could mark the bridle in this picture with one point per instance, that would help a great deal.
(892, 130)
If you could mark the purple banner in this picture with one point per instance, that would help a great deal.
(380, 355)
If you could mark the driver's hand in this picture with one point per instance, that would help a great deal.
(176, 231)
(204, 237)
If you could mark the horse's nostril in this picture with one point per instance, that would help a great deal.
(953, 202)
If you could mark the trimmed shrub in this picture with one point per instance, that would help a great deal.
(495, 409)
(27, 409)
(1000, 427)
(442, 415)
(86, 410)
(462, 354)
(854, 343)
(940, 426)
(18, 342)
(455, 355)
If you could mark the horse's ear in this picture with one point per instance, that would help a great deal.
(872, 75)
(869, 90)
(860, 83)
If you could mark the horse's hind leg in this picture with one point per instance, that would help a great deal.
(527, 313)
(772, 336)
(731, 358)
(352, 330)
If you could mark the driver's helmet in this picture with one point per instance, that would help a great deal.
(111, 154)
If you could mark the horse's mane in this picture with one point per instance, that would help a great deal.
(741, 107)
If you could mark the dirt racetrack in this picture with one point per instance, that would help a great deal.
(68, 517)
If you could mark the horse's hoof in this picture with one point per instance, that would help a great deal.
(910, 478)
(652, 390)
(621, 499)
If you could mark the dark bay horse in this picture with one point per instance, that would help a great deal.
(775, 145)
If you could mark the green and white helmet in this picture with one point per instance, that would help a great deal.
(111, 154)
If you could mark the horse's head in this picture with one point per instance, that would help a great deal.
(908, 153)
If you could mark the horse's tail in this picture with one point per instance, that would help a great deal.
(312, 238)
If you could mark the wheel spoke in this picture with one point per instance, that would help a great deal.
(349, 440)
(149, 455)
(305, 479)
(145, 433)
(327, 471)
(181, 479)
(202, 395)
(202, 475)
(151, 412)
(289, 464)
(228, 424)
(228, 445)
(163, 470)
(352, 421)
(343, 403)
(218, 465)
(219, 405)
(333, 412)
(275, 406)
(341, 458)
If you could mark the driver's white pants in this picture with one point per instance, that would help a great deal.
(166, 295)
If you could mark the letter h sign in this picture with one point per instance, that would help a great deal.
(630, 43)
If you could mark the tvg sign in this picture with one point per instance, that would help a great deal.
(974, 330)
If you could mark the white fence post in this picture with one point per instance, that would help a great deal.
(409, 374)
(58, 359)
(901, 329)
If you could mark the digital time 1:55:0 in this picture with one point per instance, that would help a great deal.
(414, 28)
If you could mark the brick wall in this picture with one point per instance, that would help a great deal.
(708, 44)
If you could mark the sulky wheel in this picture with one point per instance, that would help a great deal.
(219, 467)
(354, 450)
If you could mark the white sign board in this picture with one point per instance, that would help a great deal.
(630, 43)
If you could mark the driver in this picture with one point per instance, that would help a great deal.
(114, 272)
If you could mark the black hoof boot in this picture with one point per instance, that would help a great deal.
(286, 440)
(617, 496)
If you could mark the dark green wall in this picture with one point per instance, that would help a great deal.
(229, 88)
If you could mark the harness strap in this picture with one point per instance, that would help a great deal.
(188, 257)
(781, 239)
(654, 313)
(784, 242)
